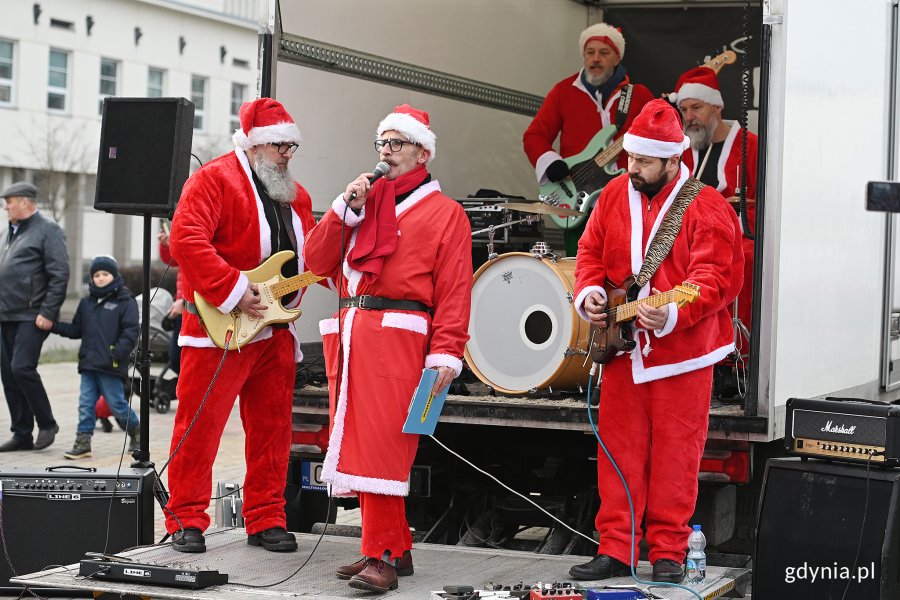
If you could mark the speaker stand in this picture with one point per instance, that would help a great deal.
(142, 455)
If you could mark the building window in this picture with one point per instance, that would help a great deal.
(238, 94)
(240, 63)
(58, 80)
(6, 73)
(198, 97)
(155, 82)
(109, 80)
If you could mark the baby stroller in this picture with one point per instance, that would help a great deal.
(162, 385)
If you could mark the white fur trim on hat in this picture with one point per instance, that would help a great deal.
(698, 91)
(657, 148)
(412, 128)
(280, 132)
(603, 30)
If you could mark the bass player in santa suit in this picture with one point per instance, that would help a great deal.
(581, 105)
(715, 156)
(654, 401)
(405, 285)
(235, 212)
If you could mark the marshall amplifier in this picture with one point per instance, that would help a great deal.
(53, 517)
(844, 429)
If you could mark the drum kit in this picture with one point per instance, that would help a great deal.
(524, 333)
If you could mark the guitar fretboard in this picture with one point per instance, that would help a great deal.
(292, 284)
(610, 153)
(629, 310)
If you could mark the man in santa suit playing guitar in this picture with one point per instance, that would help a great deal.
(715, 156)
(234, 213)
(654, 403)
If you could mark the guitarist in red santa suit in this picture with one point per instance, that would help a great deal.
(581, 105)
(235, 212)
(654, 402)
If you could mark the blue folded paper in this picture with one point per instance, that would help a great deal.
(425, 409)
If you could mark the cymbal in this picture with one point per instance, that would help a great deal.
(542, 208)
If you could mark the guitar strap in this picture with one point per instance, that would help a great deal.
(665, 235)
(624, 105)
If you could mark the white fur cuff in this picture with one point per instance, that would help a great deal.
(671, 321)
(544, 161)
(580, 298)
(444, 360)
(345, 213)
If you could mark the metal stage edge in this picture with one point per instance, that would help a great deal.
(436, 565)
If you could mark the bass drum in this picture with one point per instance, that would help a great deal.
(524, 333)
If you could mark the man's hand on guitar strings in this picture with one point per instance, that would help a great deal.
(595, 308)
(250, 303)
(650, 317)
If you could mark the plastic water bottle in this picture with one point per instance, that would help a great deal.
(696, 558)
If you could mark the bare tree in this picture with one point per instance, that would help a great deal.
(60, 153)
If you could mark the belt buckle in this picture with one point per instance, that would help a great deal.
(361, 302)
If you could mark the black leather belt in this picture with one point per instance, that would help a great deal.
(378, 303)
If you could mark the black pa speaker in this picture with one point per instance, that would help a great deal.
(145, 153)
(54, 517)
(811, 523)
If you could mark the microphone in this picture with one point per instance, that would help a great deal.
(380, 170)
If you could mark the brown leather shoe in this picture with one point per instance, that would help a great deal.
(404, 567)
(378, 576)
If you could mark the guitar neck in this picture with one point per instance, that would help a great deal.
(628, 311)
(610, 153)
(292, 284)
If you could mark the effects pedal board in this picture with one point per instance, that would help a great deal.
(119, 570)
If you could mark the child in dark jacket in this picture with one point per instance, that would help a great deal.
(107, 323)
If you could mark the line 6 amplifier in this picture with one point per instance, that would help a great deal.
(53, 517)
(844, 429)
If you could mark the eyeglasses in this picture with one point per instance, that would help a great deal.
(396, 145)
(284, 147)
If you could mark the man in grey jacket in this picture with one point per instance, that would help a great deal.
(34, 272)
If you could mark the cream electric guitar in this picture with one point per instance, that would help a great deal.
(272, 287)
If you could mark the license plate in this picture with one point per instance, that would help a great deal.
(311, 476)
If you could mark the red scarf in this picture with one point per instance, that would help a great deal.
(377, 235)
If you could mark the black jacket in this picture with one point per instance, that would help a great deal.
(108, 329)
(34, 270)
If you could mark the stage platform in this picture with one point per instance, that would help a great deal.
(252, 570)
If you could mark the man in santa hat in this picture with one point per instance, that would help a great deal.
(654, 405)
(235, 212)
(400, 251)
(584, 103)
(715, 156)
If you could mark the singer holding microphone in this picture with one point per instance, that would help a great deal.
(401, 254)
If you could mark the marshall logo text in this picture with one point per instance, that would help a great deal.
(831, 428)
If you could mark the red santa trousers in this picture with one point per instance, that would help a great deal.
(262, 374)
(384, 526)
(655, 432)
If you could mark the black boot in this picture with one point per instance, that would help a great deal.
(600, 567)
(189, 540)
(275, 539)
(45, 437)
(106, 424)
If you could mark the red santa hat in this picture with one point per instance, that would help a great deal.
(413, 123)
(699, 83)
(656, 131)
(264, 121)
(609, 35)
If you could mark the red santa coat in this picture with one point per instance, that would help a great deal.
(571, 112)
(384, 352)
(218, 231)
(706, 252)
(728, 172)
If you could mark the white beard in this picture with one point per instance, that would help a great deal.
(279, 184)
(702, 138)
(598, 80)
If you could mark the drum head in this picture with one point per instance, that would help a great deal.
(521, 322)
